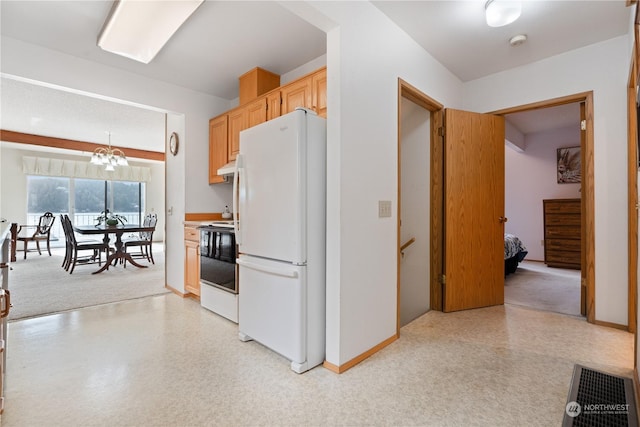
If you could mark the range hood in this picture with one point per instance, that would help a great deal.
(227, 169)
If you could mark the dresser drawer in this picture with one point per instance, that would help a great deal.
(563, 259)
(563, 245)
(570, 206)
(562, 219)
(561, 231)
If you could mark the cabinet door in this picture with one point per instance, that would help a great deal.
(296, 94)
(257, 112)
(218, 149)
(274, 104)
(319, 80)
(237, 123)
(192, 267)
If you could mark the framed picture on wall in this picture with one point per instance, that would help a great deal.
(569, 165)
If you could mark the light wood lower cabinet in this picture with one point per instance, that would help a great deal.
(192, 260)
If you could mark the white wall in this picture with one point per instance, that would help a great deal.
(13, 192)
(602, 68)
(530, 177)
(366, 54)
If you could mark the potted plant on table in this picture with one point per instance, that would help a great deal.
(110, 219)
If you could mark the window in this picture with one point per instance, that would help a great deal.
(126, 198)
(83, 200)
(47, 194)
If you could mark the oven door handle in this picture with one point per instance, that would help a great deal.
(285, 272)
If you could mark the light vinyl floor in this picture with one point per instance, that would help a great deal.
(165, 361)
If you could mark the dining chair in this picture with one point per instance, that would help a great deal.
(71, 257)
(37, 233)
(144, 240)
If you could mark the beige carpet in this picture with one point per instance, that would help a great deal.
(537, 286)
(39, 285)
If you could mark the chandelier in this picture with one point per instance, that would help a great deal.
(109, 157)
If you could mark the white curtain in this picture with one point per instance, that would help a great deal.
(83, 169)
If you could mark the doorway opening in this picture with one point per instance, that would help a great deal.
(587, 205)
(542, 201)
(417, 262)
(436, 259)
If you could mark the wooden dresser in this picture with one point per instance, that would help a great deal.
(562, 233)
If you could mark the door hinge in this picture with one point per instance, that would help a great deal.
(583, 125)
(443, 279)
(441, 131)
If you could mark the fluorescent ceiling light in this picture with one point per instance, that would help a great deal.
(502, 12)
(138, 29)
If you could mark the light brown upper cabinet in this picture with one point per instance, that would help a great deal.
(237, 122)
(257, 112)
(319, 81)
(256, 82)
(309, 91)
(274, 103)
(218, 147)
(297, 94)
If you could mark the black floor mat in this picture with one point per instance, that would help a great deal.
(600, 399)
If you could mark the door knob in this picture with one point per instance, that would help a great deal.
(503, 219)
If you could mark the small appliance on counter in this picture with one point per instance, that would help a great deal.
(226, 214)
(218, 278)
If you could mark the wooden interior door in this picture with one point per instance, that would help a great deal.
(474, 210)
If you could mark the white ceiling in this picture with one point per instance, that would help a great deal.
(224, 39)
(456, 34)
(46, 111)
(219, 42)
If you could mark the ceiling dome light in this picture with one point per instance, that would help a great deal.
(502, 12)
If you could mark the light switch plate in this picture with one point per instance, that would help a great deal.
(384, 208)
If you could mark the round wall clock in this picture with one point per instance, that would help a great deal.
(173, 143)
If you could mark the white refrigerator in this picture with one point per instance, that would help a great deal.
(280, 199)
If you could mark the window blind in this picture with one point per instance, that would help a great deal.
(82, 169)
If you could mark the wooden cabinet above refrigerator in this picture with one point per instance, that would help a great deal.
(309, 91)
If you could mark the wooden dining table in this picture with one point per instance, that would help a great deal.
(118, 230)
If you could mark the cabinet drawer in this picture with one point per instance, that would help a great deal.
(562, 231)
(192, 234)
(563, 245)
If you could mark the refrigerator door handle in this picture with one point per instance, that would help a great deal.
(285, 272)
(236, 205)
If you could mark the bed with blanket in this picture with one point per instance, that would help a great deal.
(514, 253)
